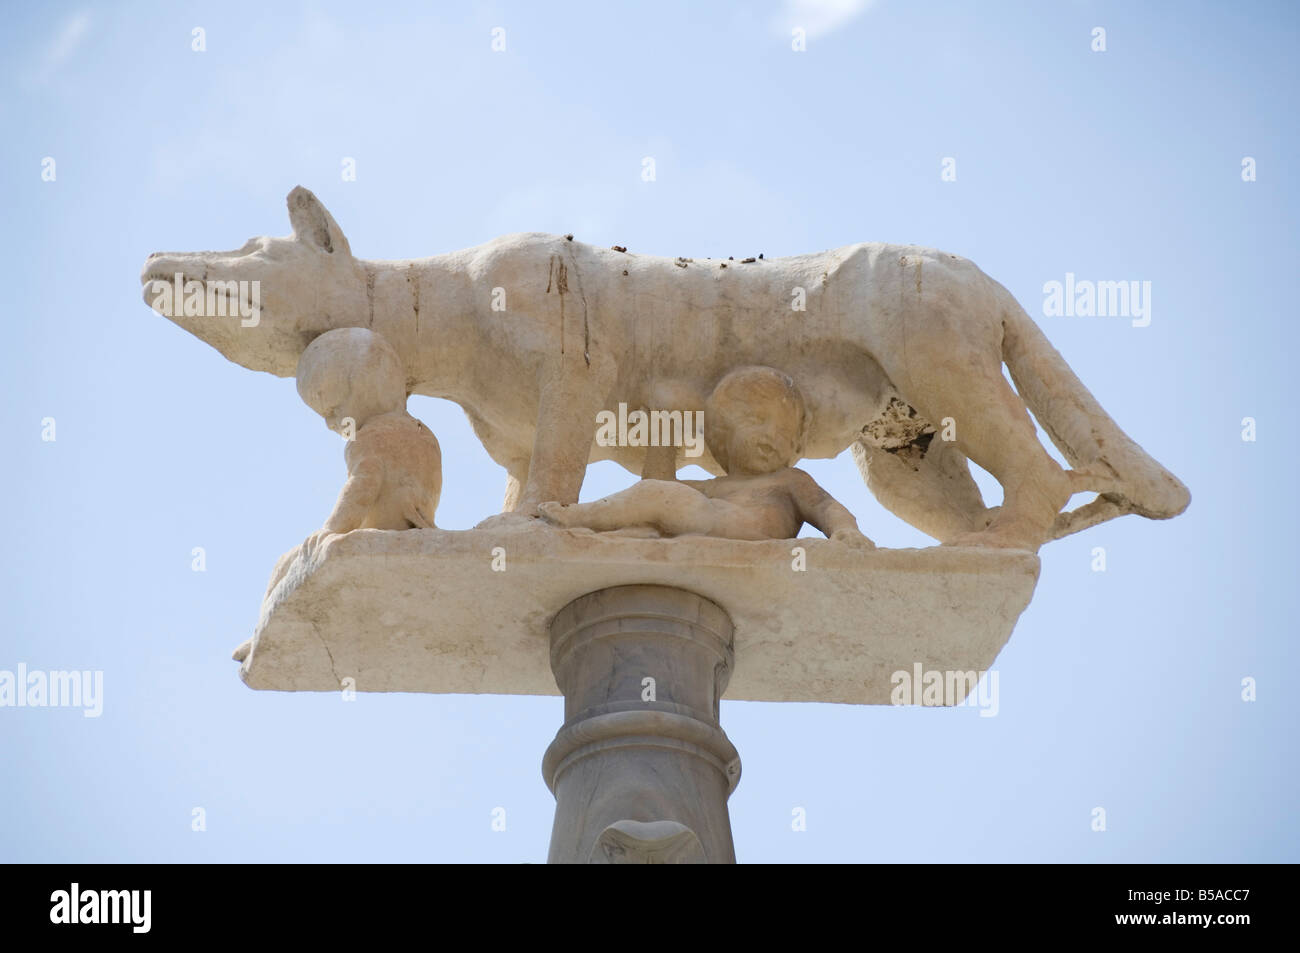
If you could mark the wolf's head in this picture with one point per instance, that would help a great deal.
(262, 304)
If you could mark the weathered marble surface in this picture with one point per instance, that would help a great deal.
(423, 610)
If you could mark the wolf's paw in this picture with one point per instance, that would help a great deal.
(509, 521)
(995, 538)
(566, 515)
(554, 513)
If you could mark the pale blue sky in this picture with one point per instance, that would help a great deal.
(1118, 689)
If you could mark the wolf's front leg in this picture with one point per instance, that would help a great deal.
(566, 428)
(516, 477)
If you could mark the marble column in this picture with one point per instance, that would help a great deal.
(641, 769)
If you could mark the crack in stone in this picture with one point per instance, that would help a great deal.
(330, 655)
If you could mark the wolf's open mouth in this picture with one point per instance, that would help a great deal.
(168, 277)
(156, 284)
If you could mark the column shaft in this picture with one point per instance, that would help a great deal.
(641, 770)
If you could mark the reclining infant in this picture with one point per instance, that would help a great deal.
(754, 424)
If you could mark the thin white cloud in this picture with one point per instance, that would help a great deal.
(819, 17)
(60, 49)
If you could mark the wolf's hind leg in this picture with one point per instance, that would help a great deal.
(994, 429)
(932, 489)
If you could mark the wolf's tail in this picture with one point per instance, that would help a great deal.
(1102, 457)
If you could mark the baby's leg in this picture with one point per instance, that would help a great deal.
(671, 507)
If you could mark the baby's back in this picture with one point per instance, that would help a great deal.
(411, 463)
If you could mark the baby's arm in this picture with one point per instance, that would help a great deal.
(822, 511)
(365, 479)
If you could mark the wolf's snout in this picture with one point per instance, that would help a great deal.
(160, 266)
(159, 269)
(152, 265)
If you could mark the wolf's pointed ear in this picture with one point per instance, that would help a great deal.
(313, 225)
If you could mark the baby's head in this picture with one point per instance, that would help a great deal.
(755, 421)
(351, 372)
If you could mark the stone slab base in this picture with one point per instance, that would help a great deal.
(426, 611)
